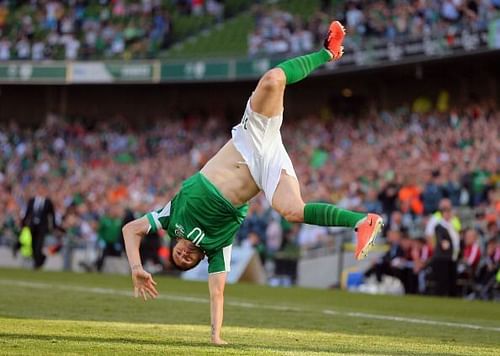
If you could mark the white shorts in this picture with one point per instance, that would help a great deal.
(258, 139)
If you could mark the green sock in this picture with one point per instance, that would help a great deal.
(298, 68)
(329, 215)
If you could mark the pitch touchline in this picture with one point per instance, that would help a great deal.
(248, 305)
(176, 298)
(410, 320)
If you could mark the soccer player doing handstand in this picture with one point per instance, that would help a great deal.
(206, 213)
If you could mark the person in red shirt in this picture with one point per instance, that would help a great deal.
(486, 276)
(472, 251)
(421, 254)
(469, 262)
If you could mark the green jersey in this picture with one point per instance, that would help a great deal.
(202, 215)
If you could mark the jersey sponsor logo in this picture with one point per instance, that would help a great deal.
(197, 236)
(179, 230)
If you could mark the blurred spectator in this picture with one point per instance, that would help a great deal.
(312, 236)
(371, 203)
(88, 30)
(392, 263)
(369, 22)
(254, 241)
(5, 48)
(472, 251)
(432, 193)
(410, 195)
(446, 251)
(91, 166)
(469, 261)
(421, 254)
(40, 217)
(486, 276)
(110, 235)
(446, 214)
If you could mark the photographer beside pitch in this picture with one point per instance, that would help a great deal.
(207, 212)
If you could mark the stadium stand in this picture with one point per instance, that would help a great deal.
(105, 29)
(148, 29)
(414, 160)
(401, 161)
(278, 32)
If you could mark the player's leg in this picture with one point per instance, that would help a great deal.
(288, 201)
(267, 98)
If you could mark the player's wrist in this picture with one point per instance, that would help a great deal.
(136, 267)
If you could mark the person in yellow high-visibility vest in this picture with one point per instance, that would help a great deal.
(25, 240)
(445, 213)
(442, 231)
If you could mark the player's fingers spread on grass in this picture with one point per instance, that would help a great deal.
(152, 294)
(152, 291)
(136, 292)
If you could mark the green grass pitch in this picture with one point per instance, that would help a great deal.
(45, 313)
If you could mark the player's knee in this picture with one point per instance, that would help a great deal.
(294, 214)
(274, 79)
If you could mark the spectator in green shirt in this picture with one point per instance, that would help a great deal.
(109, 234)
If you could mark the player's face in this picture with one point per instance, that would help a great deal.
(186, 255)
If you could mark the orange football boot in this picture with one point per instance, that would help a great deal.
(367, 230)
(333, 41)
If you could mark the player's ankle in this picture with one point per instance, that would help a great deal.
(332, 57)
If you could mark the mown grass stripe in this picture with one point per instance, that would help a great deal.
(247, 305)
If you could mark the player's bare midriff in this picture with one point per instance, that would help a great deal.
(228, 172)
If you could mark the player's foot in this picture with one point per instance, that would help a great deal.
(366, 233)
(334, 39)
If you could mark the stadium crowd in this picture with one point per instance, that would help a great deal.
(79, 29)
(120, 29)
(278, 32)
(400, 164)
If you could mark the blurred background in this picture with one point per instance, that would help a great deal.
(106, 106)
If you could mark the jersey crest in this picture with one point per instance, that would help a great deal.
(179, 230)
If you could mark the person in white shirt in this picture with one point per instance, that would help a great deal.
(23, 48)
(37, 51)
(4, 49)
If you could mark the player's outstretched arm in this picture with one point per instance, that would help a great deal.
(216, 283)
(133, 232)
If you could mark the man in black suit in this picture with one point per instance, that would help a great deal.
(392, 262)
(40, 218)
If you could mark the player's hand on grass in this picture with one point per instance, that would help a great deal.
(144, 285)
(218, 341)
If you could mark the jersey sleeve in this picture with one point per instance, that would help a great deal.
(159, 219)
(220, 261)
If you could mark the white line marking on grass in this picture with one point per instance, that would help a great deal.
(176, 298)
(410, 320)
(247, 305)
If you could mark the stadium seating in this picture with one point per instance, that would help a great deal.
(128, 30)
(231, 37)
(100, 159)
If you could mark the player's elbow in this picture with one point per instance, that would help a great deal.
(132, 228)
(127, 229)
(273, 80)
